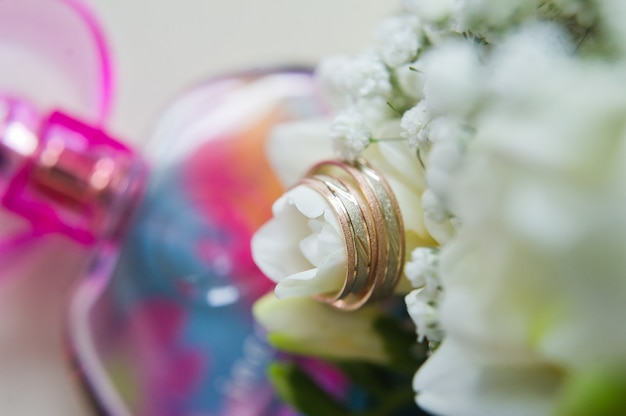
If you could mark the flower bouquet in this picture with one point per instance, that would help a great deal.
(471, 182)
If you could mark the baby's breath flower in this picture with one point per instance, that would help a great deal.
(398, 39)
(414, 124)
(422, 304)
(348, 81)
(367, 76)
(332, 73)
(424, 312)
(430, 11)
(452, 75)
(350, 134)
(375, 110)
(437, 218)
(447, 128)
(410, 80)
(422, 269)
(443, 161)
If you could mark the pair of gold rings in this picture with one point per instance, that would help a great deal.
(371, 222)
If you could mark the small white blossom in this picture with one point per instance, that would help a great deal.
(332, 74)
(422, 269)
(431, 11)
(349, 134)
(423, 310)
(445, 128)
(433, 208)
(375, 110)
(410, 80)
(347, 81)
(437, 218)
(414, 124)
(444, 159)
(423, 272)
(452, 79)
(398, 39)
(487, 16)
(367, 76)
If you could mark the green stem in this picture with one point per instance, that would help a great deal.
(391, 139)
(393, 402)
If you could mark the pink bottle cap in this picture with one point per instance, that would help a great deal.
(65, 176)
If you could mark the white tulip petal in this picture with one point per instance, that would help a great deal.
(327, 278)
(454, 383)
(321, 243)
(301, 248)
(294, 147)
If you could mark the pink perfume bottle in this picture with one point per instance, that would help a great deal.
(65, 189)
(59, 171)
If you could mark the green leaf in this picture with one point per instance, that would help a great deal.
(601, 392)
(395, 400)
(286, 343)
(298, 390)
(367, 376)
(400, 344)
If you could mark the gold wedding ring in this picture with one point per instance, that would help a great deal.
(370, 220)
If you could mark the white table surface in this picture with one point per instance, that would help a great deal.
(161, 47)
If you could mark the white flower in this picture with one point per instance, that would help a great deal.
(443, 161)
(422, 271)
(410, 80)
(302, 248)
(345, 80)
(493, 15)
(292, 148)
(437, 219)
(526, 133)
(445, 128)
(423, 310)
(405, 175)
(398, 39)
(374, 109)
(349, 134)
(535, 276)
(452, 79)
(431, 10)
(414, 124)
(456, 382)
(367, 76)
(518, 109)
(332, 74)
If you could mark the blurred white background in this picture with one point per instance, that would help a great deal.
(162, 47)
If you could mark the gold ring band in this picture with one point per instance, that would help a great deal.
(394, 226)
(348, 209)
(371, 222)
